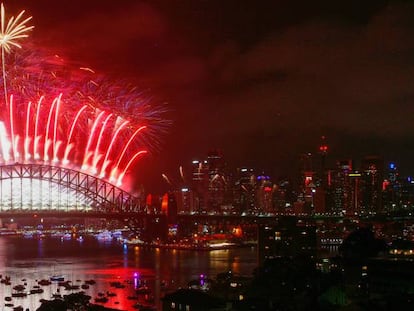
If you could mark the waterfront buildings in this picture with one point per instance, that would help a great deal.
(325, 186)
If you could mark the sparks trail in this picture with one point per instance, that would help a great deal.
(39, 133)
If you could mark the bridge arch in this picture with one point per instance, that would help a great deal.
(42, 187)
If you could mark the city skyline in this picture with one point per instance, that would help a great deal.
(263, 82)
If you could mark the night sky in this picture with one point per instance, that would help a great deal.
(260, 80)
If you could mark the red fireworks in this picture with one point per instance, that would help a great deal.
(39, 133)
(75, 118)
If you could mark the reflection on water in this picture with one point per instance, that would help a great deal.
(27, 261)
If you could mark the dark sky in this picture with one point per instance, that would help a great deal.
(260, 80)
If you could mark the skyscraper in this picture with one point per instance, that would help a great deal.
(372, 170)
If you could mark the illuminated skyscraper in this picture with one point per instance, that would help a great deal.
(392, 189)
(309, 182)
(341, 188)
(264, 194)
(372, 170)
(217, 183)
(200, 184)
(244, 190)
(322, 172)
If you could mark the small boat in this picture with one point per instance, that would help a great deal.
(6, 282)
(90, 282)
(132, 297)
(8, 298)
(72, 287)
(36, 291)
(19, 294)
(19, 288)
(44, 282)
(59, 278)
(101, 299)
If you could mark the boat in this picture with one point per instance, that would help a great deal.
(59, 278)
(134, 241)
(36, 291)
(101, 299)
(44, 282)
(132, 297)
(72, 287)
(6, 281)
(90, 282)
(19, 294)
(66, 237)
(19, 288)
(105, 236)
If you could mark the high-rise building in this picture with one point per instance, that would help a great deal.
(264, 194)
(217, 185)
(244, 190)
(283, 196)
(372, 170)
(341, 187)
(322, 171)
(185, 200)
(308, 181)
(200, 183)
(391, 189)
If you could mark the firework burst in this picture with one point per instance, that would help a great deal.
(11, 32)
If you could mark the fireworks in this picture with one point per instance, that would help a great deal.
(10, 34)
(70, 116)
(46, 137)
(15, 29)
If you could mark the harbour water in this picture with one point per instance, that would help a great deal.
(27, 261)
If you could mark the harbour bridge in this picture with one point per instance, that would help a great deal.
(54, 191)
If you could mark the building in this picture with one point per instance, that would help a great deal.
(286, 238)
(372, 170)
(341, 187)
(244, 191)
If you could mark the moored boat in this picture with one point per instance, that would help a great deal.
(58, 278)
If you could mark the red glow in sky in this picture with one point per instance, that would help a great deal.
(261, 80)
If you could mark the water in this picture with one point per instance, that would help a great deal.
(27, 261)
